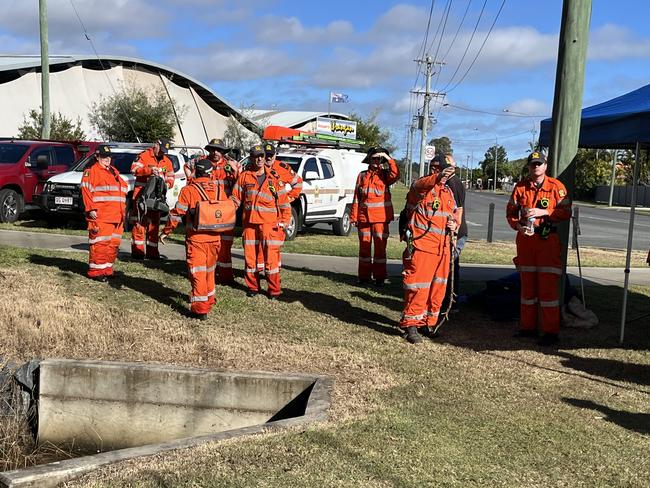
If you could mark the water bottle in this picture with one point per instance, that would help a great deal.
(530, 226)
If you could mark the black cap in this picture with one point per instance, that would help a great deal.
(269, 149)
(103, 151)
(217, 144)
(203, 167)
(164, 144)
(256, 150)
(536, 157)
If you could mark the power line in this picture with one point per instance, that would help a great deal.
(480, 49)
(497, 114)
(92, 45)
(471, 39)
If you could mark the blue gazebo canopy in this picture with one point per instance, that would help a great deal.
(618, 123)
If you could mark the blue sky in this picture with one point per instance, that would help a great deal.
(289, 54)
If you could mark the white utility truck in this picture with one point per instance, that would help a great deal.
(329, 177)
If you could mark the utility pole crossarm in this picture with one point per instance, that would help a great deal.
(428, 94)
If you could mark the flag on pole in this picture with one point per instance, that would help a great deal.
(339, 98)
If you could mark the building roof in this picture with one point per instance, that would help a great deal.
(12, 67)
(290, 118)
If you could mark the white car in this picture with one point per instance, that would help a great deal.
(329, 178)
(62, 196)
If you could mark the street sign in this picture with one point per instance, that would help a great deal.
(429, 152)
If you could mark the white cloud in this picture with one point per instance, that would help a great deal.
(117, 18)
(275, 30)
(613, 42)
(219, 62)
(529, 106)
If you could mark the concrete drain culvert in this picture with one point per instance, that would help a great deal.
(122, 411)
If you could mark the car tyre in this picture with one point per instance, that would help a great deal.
(11, 204)
(291, 230)
(343, 226)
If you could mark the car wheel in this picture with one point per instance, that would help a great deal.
(291, 230)
(11, 204)
(343, 226)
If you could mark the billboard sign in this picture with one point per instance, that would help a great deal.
(336, 127)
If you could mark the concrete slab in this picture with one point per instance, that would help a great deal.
(100, 405)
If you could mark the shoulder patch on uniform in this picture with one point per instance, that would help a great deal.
(562, 192)
(87, 172)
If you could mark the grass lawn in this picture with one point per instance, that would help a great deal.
(472, 408)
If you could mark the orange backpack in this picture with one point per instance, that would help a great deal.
(213, 215)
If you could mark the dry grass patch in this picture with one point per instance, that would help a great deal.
(473, 408)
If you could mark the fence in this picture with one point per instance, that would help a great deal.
(623, 195)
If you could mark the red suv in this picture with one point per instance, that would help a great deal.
(26, 165)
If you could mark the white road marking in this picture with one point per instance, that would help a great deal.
(473, 223)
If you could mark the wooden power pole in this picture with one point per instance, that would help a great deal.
(567, 102)
(45, 70)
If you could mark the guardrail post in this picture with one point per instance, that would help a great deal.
(490, 222)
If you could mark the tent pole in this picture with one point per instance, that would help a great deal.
(630, 233)
(613, 181)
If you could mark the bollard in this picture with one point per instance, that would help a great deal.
(490, 222)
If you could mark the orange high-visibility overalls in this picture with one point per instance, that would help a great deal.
(144, 235)
(104, 191)
(265, 206)
(372, 211)
(202, 247)
(427, 256)
(225, 176)
(538, 259)
(287, 176)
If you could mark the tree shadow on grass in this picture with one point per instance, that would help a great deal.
(607, 368)
(472, 328)
(151, 288)
(341, 310)
(637, 422)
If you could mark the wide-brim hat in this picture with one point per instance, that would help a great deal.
(372, 151)
(217, 144)
(164, 144)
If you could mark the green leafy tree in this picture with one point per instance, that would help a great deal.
(61, 128)
(371, 133)
(134, 113)
(503, 168)
(442, 144)
(591, 171)
(239, 137)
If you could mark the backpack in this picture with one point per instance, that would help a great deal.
(213, 215)
(153, 196)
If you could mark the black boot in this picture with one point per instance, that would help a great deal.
(523, 333)
(412, 335)
(549, 339)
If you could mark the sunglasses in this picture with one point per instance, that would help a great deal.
(536, 163)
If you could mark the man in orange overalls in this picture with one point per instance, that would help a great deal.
(104, 195)
(144, 235)
(372, 211)
(225, 173)
(536, 206)
(266, 213)
(202, 247)
(431, 221)
(286, 176)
